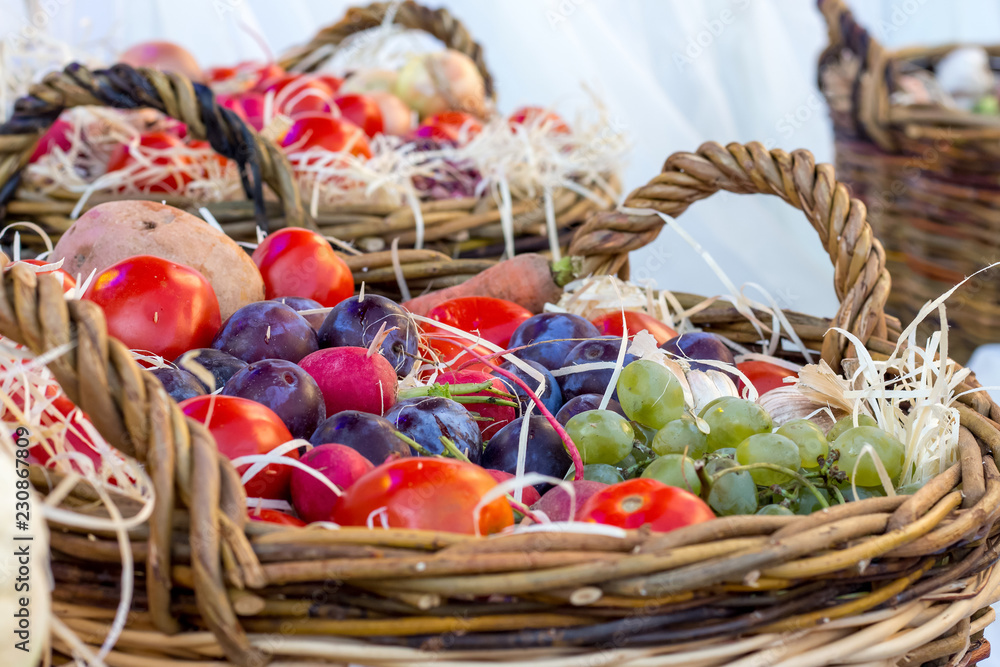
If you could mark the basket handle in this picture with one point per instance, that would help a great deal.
(438, 23)
(860, 278)
(123, 87)
(870, 103)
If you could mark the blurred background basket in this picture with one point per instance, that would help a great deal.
(897, 580)
(929, 174)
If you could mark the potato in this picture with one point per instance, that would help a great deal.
(111, 232)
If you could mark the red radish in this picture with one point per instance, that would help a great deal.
(249, 106)
(296, 94)
(313, 500)
(352, 379)
(164, 56)
(174, 178)
(58, 135)
(525, 279)
(499, 415)
(274, 516)
(326, 133)
(556, 501)
(397, 118)
(529, 495)
(455, 126)
(361, 110)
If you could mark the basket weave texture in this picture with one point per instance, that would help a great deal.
(899, 580)
(928, 174)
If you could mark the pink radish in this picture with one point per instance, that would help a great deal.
(499, 415)
(529, 495)
(556, 501)
(314, 500)
(351, 378)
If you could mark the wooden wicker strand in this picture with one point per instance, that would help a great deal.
(137, 416)
(124, 87)
(438, 23)
(860, 279)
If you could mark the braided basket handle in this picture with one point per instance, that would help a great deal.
(123, 87)
(870, 103)
(860, 278)
(438, 23)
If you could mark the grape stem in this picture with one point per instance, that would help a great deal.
(574, 453)
(782, 469)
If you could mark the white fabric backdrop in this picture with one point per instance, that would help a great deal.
(674, 73)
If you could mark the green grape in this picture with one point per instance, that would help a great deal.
(847, 422)
(626, 464)
(808, 503)
(650, 394)
(768, 448)
(725, 453)
(864, 492)
(602, 436)
(810, 439)
(598, 472)
(675, 470)
(643, 434)
(775, 510)
(732, 493)
(733, 421)
(712, 403)
(680, 435)
(909, 489)
(888, 449)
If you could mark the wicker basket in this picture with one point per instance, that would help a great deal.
(902, 580)
(930, 177)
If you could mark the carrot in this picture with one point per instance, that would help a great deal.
(529, 280)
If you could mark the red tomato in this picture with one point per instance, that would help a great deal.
(199, 145)
(158, 145)
(454, 126)
(243, 76)
(550, 120)
(65, 279)
(426, 494)
(242, 427)
(299, 262)
(764, 375)
(249, 106)
(493, 319)
(529, 494)
(637, 502)
(610, 324)
(156, 305)
(274, 516)
(297, 94)
(58, 134)
(334, 82)
(450, 349)
(326, 133)
(361, 110)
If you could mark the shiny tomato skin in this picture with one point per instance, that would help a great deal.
(494, 319)
(610, 324)
(297, 94)
(642, 501)
(453, 350)
(424, 493)
(299, 262)
(326, 133)
(177, 176)
(361, 110)
(552, 121)
(242, 427)
(154, 304)
(274, 516)
(763, 375)
(67, 281)
(448, 126)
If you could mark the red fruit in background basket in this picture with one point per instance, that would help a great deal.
(164, 56)
(610, 324)
(298, 94)
(314, 500)
(249, 106)
(493, 319)
(764, 375)
(352, 379)
(642, 501)
(156, 305)
(67, 281)
(455, 126)
(326, 133)
(426, 494)
(299, 262)
(361, 110)
(242, 427)
(333, 82)
(529, 494)
(242, 76)
(59, 135)
(497, 416)
(274, 516)
(171, 169)
(537, 116)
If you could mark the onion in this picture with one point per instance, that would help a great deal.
(164, 56)
(440, 81)
(397, 118)
(369, 80)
